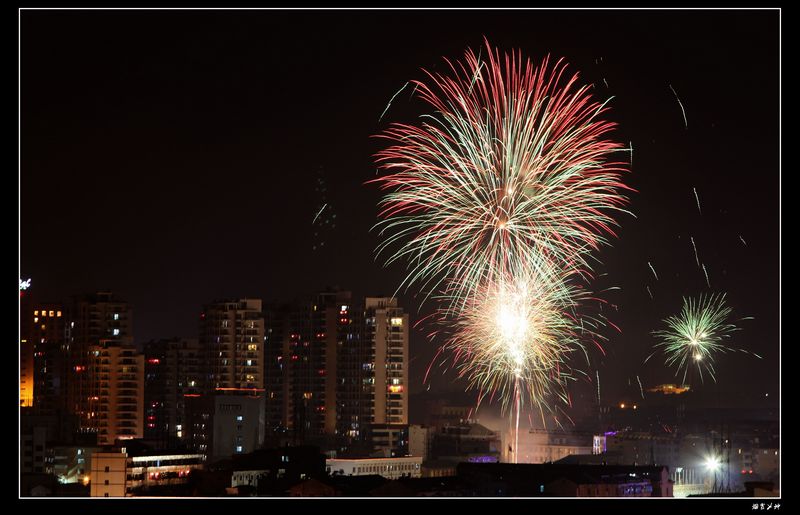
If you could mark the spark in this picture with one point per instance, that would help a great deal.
(641, 390)
(695, 251)
(413, 91)
(598, 387)
(697, 199)
(391, 100)
(630, 147)
(740, 237)
(649, 292)
(686, 123)
(605, 81)
(706, 272)
(653, 269)
(319, 213)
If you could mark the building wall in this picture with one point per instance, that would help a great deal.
(107, 474)
(537, 446)
(418, 441)
(173, 369)
(238, 424)
(33, 450)
(391, 439)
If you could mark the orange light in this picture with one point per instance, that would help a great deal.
(622, 405)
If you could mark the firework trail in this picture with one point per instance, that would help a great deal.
(512, 173)
(641, 390)
(605, 81)
(740, 237)
(392, 100)
(706, 273)
(597, 372)
(653, 269)
(649, 292)
(696, 335)
(319, 213)
(695, 251)
(685, 122)
(697, 199)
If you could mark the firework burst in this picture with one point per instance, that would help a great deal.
(496, 201)
(514, 339)
(693, 338)
(511, 175)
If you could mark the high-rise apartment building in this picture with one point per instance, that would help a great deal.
(116, 408)
(93, 319)
(335, 367)
(50, 334)
(387, 329)
(232, 338)
(173, 370)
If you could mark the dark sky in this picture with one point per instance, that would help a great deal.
(172, 157)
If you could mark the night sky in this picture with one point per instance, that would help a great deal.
(177, 157)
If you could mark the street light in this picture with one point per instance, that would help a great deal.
(713, 465)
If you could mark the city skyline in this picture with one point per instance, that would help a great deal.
(191, 165)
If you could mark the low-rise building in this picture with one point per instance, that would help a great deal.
(391, 468)
(117, 474)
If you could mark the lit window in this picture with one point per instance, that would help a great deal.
(239, 418)
(35, 319)
(249, 362)
(252, 347)
(58, 313)
(397, 321)
(239, 448)
(51, 313)
(36, 312)
(116, 316)
(116, 332)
